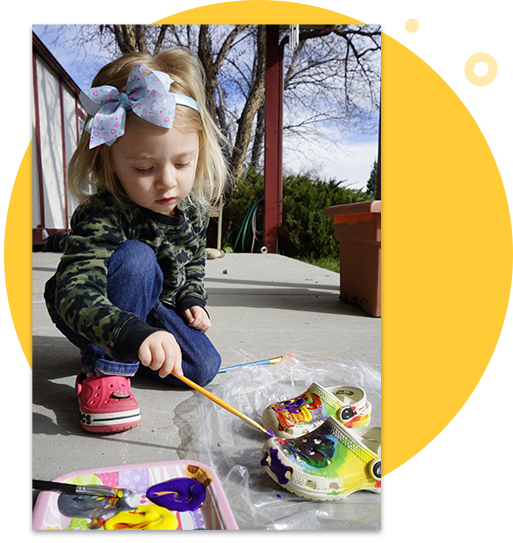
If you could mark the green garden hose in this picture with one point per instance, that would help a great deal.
(245, 224)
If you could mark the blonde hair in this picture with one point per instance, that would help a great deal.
(90, 168)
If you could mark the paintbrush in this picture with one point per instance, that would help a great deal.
(265, 362)
(226, 406)
(92, 490)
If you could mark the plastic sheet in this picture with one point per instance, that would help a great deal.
(232, 447)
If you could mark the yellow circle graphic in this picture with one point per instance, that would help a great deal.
(412, 25)
(446, 248)
(481, 80)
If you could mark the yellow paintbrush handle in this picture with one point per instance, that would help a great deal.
(223, 404)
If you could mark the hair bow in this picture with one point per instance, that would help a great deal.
(147, 95)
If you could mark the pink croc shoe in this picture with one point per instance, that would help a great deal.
(106, 403)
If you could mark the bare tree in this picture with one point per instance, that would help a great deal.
(212, 60)
(333, 80)
(254, 101)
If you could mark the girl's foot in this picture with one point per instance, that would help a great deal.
(106, 403)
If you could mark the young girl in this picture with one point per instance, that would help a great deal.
(129, 289)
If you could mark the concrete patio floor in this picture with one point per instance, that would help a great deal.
(261, 306)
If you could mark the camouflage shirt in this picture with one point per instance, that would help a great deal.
(77, 293)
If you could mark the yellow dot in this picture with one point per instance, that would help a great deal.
(412, 25)
(479, 59)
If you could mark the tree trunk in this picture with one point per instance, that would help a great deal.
(251, 107)
(211, 65)
(205, 56)
(258, 140)
(129, 38)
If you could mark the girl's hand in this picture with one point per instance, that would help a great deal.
(197, 318)
(160, 351)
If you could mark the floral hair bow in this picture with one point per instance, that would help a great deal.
(147, 95)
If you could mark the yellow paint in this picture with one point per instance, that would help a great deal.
(445, 250)
(146, 517)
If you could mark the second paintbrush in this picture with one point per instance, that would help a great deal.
(266, 362)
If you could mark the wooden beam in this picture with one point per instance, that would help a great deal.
(273, 140)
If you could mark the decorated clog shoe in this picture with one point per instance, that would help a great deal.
(327, 464)
(304, 413)
(106, 403)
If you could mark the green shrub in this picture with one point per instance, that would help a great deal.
(305, 232)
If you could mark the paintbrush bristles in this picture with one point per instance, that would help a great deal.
(249, 420)
(223, 404)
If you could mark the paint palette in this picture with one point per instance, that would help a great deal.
(214, 514)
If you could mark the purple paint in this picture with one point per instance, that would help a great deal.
(270, 433)
(292, 406)
(180, 494)
(276, 466)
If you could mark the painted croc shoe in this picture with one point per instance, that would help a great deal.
(106, 403)
(304, 413)
(327, 464)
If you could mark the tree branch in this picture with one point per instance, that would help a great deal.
(160, 39)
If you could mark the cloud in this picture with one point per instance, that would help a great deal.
(350, 159)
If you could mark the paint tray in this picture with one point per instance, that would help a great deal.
(214, 514)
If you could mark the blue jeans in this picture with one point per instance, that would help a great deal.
(134, 284)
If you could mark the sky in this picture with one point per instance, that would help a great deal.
(349, 160)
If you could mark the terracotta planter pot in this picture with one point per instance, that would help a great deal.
(358, 231)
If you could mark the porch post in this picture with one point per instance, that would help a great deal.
(273, 140)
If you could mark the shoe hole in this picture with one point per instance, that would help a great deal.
(311, 484)
(353, 393)
(334, 486)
